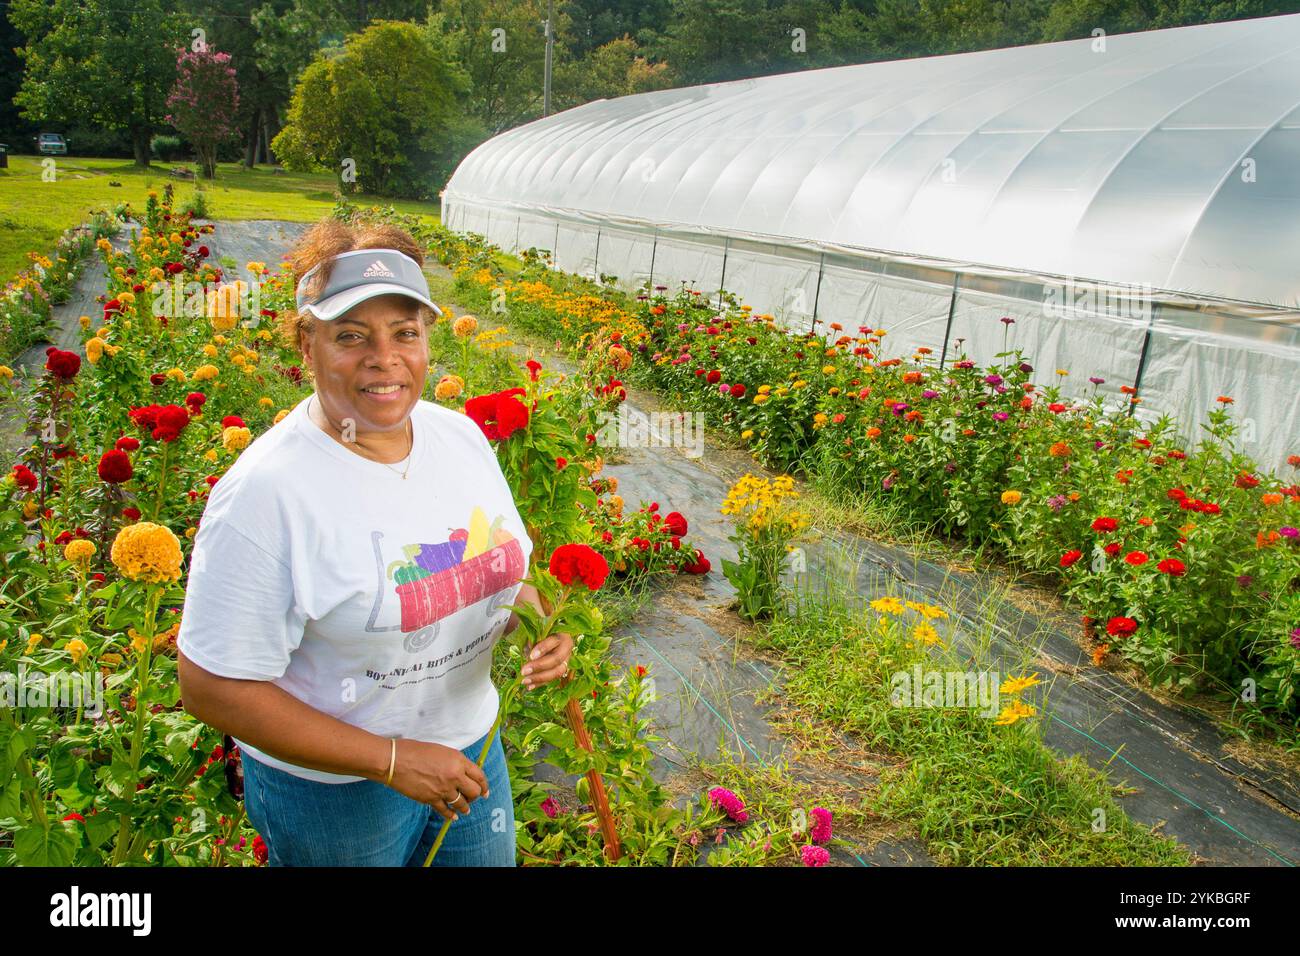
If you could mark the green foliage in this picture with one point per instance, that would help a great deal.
(386, 109)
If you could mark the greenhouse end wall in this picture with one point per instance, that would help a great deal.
(1183, 354)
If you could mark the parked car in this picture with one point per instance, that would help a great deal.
(51, 144)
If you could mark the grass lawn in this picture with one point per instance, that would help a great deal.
(33, 213)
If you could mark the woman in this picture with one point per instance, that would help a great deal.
(349, 578)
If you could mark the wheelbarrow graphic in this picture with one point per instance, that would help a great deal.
(436, 580)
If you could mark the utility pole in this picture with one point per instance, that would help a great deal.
(550, 42)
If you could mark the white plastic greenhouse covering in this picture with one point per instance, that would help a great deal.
(1132, 201)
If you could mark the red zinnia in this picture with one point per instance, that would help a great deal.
(1121, 626)
(700, 565)
(561, 463)
(1105, 525)
(570, 562)
(738, 391)
(115, 467)
(676, 523)
(1070, 557)
(713, 377)
(1136, 557)
(1112, 549)
(1172, 566)
(1246, 480)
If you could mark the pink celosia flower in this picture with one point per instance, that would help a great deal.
(550, 807)
(815, 855)
(821, 828)
(729, 803)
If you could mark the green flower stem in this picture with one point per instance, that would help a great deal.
(506, 700)
(162, 482)
(122, 850)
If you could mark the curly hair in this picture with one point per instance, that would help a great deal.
(320, 244)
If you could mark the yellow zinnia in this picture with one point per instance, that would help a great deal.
(1011, 497)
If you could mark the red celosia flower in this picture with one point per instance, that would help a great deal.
(115, 467)
(25, 478)
(195, 401)
(157, 378)
(1121, 626)
(676, 523)
(1070, 557)
(260, 852)
(500, 414)
(131, 513)
(700, 565)
(1136, 557)
(570, 562)
(561, 463)
(75, 816)
(64, 365)
(232, 420)
(1172, 566)
(1105, 525)
(534, 367)
(126, 443)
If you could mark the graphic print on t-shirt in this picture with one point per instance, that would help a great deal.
(436, 580)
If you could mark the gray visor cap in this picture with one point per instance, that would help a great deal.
(363, 274)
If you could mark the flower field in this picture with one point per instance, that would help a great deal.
(98, 517)
(1183, 559)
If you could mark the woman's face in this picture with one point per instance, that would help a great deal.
(370, 363)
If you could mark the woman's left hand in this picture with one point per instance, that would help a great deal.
(548, 660)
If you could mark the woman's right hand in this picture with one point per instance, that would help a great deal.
(432, 773)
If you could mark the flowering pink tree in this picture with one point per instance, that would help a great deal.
(203, 103)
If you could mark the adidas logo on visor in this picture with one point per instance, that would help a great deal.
(377, 269)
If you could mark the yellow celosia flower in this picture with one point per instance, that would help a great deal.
(279, 417)
(176, 375)
(465, 326)
(205, 372)
(265, 402)
(6, 372)
(235, 437)
(94, 350)
(147, 552)
(77, 648)
(448, 387)
(210, 350)
(79, 551)
(32, 641)
(210, 454)
(747, 434)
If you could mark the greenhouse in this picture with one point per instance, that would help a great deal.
(1129, 201)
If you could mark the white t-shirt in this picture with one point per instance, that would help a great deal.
(370, 597)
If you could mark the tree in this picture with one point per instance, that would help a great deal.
(386, 110)
(96, 62)
(615, 69)
(204, 102)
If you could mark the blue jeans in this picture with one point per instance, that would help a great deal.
(308, 823)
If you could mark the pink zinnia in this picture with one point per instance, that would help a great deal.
(821, 828)
(729, 803)
(815, 855)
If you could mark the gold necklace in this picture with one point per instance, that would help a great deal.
(410, 445)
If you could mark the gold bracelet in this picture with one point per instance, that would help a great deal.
(392, 763)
